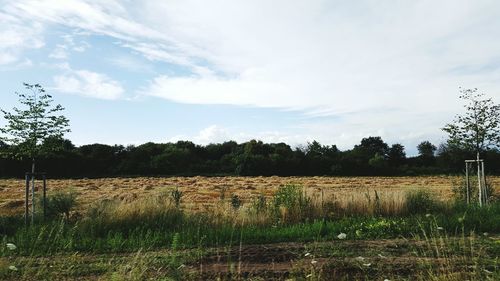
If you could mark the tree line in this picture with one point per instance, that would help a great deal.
(372, 156)
(35, 134)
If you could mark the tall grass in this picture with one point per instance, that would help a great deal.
(463, 256)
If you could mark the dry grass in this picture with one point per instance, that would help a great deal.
(202, 193)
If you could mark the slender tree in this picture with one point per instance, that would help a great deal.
(37, 121)
(476, 130)
(479, 128)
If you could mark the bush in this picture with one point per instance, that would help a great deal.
(291, 204)
(60, 203)
(259, 204)
(235, 202)
(420, 201)
(176, 195)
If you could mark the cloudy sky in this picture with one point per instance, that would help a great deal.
(293, 71)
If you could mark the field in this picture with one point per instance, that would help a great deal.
(201, 192)
(257, 228)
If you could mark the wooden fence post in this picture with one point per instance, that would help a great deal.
(44, 196)
(26, 201)
(467, 182)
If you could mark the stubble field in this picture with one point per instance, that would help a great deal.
(200, 193)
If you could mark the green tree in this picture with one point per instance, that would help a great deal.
(426, 149)
(396, 155)
(479, 128)
(372, 145)
(426, 152)
(29, 127)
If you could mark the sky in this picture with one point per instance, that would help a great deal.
(129, 72)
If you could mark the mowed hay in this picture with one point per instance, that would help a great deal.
(199, 193)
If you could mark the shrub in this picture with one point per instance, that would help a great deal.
(259, 204)
(235, 202)
(420, 201)
(60, 203)
(290, 204)
(176, 195)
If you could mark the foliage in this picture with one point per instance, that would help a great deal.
(29, 127)
(426, 149)
(230, 158)
(396, 155)
(176, 195)
(479, 128)
(236, 202)
(60, 203)
(377, 161)
(291, 204)
(371, 146)
(421, 201)
(259, 204)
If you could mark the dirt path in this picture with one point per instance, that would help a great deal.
(392, 259)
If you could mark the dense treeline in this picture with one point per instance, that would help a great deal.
(372, 156)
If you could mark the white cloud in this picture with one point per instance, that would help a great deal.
(338, 58)
(212, 134)
(110, 18)
(17, 36)
(90, 84)
(215, 90)
(379, 67)
(69, 42)
(219, 134)
(60, 52)
(306, 132)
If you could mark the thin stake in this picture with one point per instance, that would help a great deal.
(26, 201)
(480, 189)
(485, 192)
(467, 182)
(33, 199)
(44, 196)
